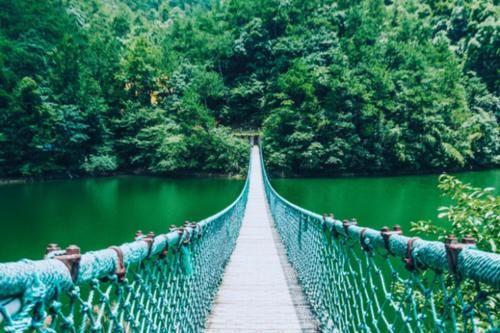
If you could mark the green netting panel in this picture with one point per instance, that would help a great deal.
(169, 285)
(355, 281)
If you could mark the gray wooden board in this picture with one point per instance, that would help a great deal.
(259, 291)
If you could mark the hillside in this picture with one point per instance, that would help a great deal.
(95, 87)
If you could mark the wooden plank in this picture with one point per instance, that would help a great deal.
(256, 295)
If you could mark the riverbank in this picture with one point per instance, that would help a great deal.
(182, 175)
(216, 175)
(376, 174)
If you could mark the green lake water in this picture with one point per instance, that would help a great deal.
(97, 213)
(378, 201)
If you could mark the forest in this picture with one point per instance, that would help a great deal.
(95, 87)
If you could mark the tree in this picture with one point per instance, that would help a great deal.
(139, 70)
(346, 86)
(27, 126)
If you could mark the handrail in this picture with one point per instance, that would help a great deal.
(27, 284)
(353, 282)
(96, 264)
(471, 263)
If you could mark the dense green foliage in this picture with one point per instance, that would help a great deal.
(374, 86)
(94, 86)
(367, 85)
(474, 212)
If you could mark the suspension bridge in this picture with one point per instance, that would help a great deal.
(262, 264)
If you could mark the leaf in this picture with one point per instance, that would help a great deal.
(442, 215)
(453, 153)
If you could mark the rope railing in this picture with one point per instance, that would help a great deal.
(163, 283)
(362, 280)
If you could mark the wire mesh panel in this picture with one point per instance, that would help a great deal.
(156, 284)
(362, 280)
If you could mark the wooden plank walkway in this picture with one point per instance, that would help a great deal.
(259, 292)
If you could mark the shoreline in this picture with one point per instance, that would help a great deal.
(275, 175)
(196, 175)
(278, 175)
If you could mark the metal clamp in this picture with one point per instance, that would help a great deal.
(408, 260)
(323, 223)
(335, 232)
(453, 249)
(139, 235)
(386, 236)
(346, 224)
(186, 234)
(362, 238)
(164, 252)
(198, 228)
(120, 270)
(195, 226)
(50, 250)
(329, 230)
(70, 258)
(149, 239)
(180, 232)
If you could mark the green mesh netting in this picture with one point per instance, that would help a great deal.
(354, 278)
(354, 283)
(169, 285)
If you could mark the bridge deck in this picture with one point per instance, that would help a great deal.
(259, 292)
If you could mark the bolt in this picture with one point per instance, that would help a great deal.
(72, 249)
(51, 248)
(451, 239)
(468, 239)
(138, 234)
